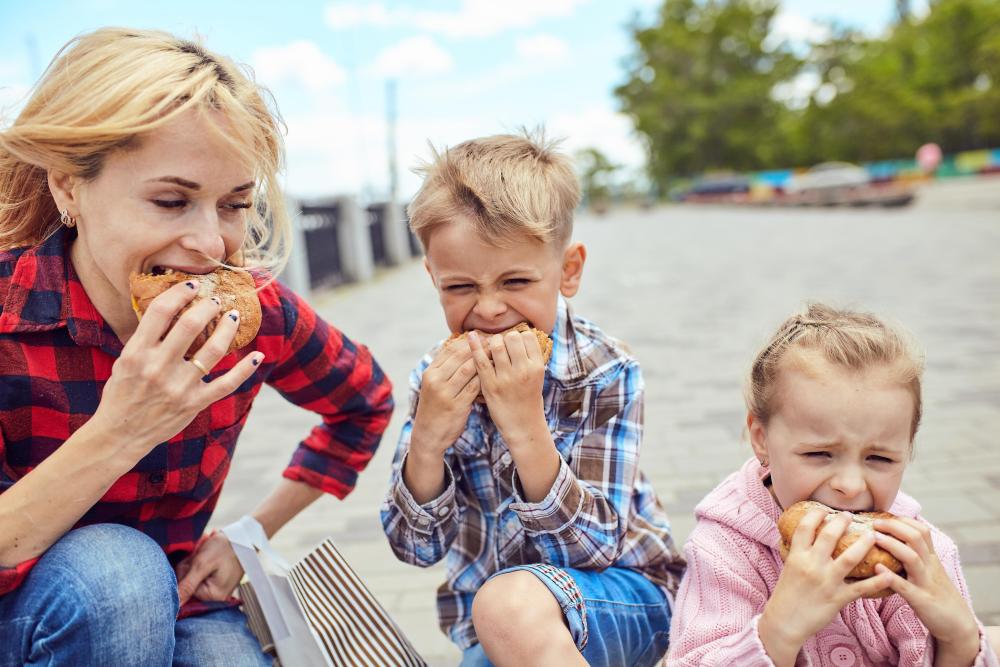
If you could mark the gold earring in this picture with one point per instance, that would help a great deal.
(763, 461)
(66, 219)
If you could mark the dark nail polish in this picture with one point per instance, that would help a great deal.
(255, 361)
(216, 300)
(190, 284)
(234, 317)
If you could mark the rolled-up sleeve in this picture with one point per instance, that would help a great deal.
(322, 370)
(583, 520)
(11, 577)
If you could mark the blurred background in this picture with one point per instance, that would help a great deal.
(738, 158)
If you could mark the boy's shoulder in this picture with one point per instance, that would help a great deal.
(586, 354)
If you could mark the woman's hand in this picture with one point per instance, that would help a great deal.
(153, 393)
(210, 572)
(811, 590)
(929, 590)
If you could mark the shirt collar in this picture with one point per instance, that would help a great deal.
(45, 293)
(566, 364)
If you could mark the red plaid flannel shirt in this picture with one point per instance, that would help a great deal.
(56, 353)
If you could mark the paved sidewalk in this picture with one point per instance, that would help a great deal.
(694, 291)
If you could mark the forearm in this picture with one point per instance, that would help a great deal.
(46, 503)
(423, 475)
(781, 648)
(285, 502)
(536, 459)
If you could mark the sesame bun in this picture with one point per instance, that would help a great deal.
(544, 342)
(235, 288)
(861, 522)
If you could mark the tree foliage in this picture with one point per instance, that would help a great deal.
(701, 87)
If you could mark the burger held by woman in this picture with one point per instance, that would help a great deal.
(141, 154)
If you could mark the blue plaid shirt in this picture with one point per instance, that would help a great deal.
(600, 512)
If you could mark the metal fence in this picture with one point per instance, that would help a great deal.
(321, 238)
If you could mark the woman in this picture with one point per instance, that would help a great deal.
(138, 151)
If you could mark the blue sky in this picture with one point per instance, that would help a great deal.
(462, 68)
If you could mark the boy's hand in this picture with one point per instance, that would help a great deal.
(928, 589)
(811, 590)
(512, 383)
(447, 389)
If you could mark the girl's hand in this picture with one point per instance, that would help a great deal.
(811, 590)
(153, 393)
(211, 572)
(928, 589)
(512, 382)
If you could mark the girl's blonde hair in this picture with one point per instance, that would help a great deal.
(508, 186)
(848, 339)
(101, 93)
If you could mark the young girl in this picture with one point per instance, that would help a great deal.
(833, 403)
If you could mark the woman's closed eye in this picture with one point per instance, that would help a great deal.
(170, 203)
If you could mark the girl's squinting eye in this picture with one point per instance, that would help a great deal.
(817, 455)
(881, 459)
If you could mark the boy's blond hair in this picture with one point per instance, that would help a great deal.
(848, 339)
(506, 185)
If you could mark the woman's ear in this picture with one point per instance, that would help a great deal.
(573, 259)
(64, 193)
(758, 437)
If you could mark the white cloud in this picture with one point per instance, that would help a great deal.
(14, 88)
(795, 29)
(301, 62)
(474, 18)
(608, 131)
(543, 47)
(414, 56)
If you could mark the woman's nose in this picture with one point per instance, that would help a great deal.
(205, 238)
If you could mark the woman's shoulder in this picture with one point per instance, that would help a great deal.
(9, 257)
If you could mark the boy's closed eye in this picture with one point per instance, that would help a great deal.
(461, 287)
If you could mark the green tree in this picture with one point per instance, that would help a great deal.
(596, 171)
(699, 87)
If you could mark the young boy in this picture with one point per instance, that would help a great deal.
(558, 550)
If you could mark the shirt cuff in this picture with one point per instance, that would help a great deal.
(425, 518)
(557, 510)
(12, 577)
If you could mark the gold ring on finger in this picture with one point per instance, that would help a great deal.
(200, 366)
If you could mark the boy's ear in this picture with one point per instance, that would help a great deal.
(573, 259)
(758, 437)
(63, 189)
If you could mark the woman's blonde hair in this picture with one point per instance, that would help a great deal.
(506, 185)
(848, 339)
(101, 93)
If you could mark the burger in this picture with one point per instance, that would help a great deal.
(235, 288)
(861, 523)
(544, 343)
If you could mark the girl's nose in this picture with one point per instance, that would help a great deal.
(848, 481)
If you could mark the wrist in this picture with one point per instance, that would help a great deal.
(780, 642)
(528, 434)
(108, 445)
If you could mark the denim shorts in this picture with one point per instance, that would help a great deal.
(617, 617)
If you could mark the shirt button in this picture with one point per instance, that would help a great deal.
(842, 657)
(157, 478)
(505, 459)
(443, 511)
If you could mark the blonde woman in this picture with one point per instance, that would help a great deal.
(138, 151)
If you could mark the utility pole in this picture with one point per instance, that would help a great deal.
(390, 121)
(902, 11)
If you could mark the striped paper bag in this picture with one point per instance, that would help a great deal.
(316, 612)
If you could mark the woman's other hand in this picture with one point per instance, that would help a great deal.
(210, 572)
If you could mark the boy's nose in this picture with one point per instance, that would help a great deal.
(489, 307)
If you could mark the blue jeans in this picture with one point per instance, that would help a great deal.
(106, 595)
(625, 621)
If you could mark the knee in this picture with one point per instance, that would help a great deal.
(515, 606)
(115, 571)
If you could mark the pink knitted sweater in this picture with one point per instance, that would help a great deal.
(733, 565)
